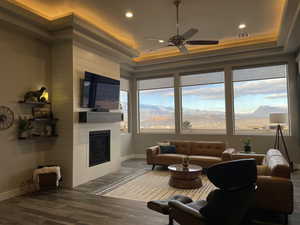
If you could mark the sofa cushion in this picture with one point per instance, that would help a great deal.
(182, 147)
(204, 161)
(277, 164)
(169, 149)
(263, 170)
(168, 159)
(270, 153)
(207, 148)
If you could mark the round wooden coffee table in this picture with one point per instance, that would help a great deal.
(185, 178)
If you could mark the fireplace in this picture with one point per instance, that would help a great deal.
(99, 147)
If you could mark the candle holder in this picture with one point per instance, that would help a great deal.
(185, 162)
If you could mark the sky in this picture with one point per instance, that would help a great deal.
(249, 95)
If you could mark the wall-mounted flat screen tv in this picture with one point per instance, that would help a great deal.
(100, 92)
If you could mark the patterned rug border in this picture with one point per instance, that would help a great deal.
(139, 173)
(158, 189)
(115, 185)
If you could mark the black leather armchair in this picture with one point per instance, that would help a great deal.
(227, 205)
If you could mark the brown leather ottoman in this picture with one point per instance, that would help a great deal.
(162, 206)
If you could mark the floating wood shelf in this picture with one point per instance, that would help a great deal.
(38, 137)
(44, 119)
(34, 103)
(100, 117)
(39, 124)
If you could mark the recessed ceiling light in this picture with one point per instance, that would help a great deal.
(161, 41)
(242, 26)
(129, 14)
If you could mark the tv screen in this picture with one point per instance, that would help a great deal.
(107, 96)
(85, 89)
(100, 92)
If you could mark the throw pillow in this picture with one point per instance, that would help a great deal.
(170, 149)
(163, 143)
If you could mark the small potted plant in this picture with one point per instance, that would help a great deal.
(23, 127)
(185, 162)
(247, 145)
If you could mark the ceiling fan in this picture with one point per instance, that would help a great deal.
(181, 40)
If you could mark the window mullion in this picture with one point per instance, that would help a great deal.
(178, 106)
(229, 101)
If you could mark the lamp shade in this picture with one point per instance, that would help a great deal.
(278, 118)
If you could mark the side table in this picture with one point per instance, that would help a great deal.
(247, 155)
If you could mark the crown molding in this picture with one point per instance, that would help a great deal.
(218, 64)
(35, 28)
(224, 51)
(196, 60)
(289, 34)
(72, 27)
(68, 27)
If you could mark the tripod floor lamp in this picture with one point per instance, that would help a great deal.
(281, 119)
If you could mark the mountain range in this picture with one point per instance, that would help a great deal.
(261, 112)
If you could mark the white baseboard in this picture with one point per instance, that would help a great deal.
(140, 156)
(16, 192)
(133, 156)
(10, 194)
(126, 157)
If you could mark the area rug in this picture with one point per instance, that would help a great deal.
(153, 185)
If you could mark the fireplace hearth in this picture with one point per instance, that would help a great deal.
(99, 148)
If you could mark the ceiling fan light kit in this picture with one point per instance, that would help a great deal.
(180, 41)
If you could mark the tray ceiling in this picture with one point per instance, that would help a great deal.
(215, 19)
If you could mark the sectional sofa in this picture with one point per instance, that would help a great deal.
(202, 153)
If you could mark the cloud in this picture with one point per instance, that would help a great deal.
(260, 87)
(205, 92)
(272, 89)
(276, 96)
(165, 92)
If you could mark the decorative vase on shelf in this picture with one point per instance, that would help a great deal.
(247, 146)
(185, 162)
(24, 128)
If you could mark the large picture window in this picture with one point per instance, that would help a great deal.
(156, 105)
(203, 103)
(124, 96)
(258, 93)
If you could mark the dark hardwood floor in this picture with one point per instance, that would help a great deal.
(80, 207)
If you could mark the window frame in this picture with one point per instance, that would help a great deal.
(127, 88)
(128, 127)
(203, 131)
(139, 131)
(255, 133)
(228, 69)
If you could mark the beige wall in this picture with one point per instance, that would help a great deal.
(85, 59)
(25, 65)
(61, 152)
(127, 145)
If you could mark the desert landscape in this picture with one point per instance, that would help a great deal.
(161, 119)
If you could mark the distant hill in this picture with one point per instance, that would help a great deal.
(156, 110)
(262, 111)
(265, 110)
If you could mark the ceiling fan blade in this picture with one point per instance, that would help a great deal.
(202, 42)
(171, 44)
(155, 39)
(190, 33)
(183, 49)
